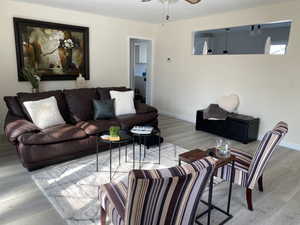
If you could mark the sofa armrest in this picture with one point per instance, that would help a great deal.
(144, 108)
(15, 126)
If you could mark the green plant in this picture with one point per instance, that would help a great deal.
(32, 76)
(114, 131)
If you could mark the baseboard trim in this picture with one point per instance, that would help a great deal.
(292, 146)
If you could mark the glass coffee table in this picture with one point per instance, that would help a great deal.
(125, 139)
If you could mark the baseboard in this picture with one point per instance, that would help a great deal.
(292, 146)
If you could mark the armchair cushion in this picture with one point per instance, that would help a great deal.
(242, 164)
(53, 135)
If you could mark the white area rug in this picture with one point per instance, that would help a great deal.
(72, 187)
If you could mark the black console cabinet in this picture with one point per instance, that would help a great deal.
(237, 127)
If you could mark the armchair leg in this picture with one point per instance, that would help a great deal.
(260, 184)
(249, 199)
(102, 217)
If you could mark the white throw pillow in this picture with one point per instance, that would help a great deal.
(124, 103)
(229, 103)
(44, 113)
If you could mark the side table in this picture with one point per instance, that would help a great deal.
(125, 139)
(142, 140)
(197, 154)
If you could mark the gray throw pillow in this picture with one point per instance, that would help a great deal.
(104, 109)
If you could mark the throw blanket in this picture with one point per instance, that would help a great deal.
(214, 112)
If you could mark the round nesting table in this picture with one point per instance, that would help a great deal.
(142, 138)
(125, 139)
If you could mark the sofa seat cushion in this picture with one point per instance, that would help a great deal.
(80, 103)
(53, 135)
(94, 127)
(128, 121)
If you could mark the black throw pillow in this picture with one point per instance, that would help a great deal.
(104, 109)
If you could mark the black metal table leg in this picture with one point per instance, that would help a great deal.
(159, 147)
(232, 175)
(133, 149)
(144, 147)
(140, 158)
(97, 156)
(110, 159)
(126, 153)
(209, 202)
(210, 193)
(119, 154)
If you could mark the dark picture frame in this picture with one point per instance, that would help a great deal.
(65, 57)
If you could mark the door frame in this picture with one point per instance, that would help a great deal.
(149, 84)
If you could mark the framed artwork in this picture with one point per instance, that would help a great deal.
(55, 51)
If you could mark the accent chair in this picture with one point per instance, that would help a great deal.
(164, 196)
(249, 169)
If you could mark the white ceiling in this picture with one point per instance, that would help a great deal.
(152, 11)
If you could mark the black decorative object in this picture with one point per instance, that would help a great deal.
(237, 127)
(55, 51)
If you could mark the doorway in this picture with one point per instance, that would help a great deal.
(140, 68)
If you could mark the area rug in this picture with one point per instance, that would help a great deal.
(72, 187)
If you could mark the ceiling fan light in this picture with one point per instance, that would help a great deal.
(193, 1)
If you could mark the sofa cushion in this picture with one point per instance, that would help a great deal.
(80, 103)
(104, 109)
(144, 108)
(14, 106)
(44, 113)
(94, 127)
(128, 121)
(104, 92)
(124, 103)
(25, 97)
(53, 135)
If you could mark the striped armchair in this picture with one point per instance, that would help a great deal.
(249, 169)
(166, 196)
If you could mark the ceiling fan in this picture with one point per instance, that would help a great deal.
(189, 1)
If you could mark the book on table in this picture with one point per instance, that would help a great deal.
(142, 130)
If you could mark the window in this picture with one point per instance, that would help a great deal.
(278, 49)
(248, 39)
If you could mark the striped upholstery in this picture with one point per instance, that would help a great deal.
(248, 169)
(113, 200)
(242, 164)
(166, 196)
(264, 152)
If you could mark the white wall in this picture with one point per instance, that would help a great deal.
(268, 86)
(108, 46)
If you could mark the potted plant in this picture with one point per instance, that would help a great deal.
(32, 76)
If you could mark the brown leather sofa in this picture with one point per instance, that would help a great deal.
(38, 148)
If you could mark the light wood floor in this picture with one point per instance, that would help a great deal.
(22, 203)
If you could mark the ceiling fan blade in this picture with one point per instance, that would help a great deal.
(193, 1)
